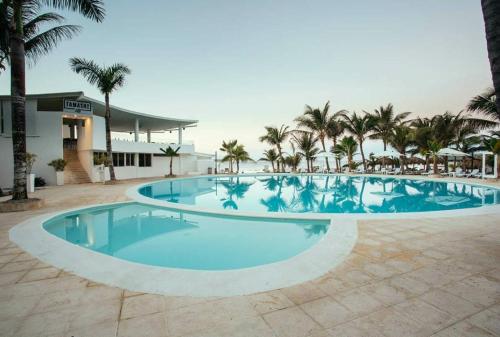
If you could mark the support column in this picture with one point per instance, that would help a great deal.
(149, 135)
(484, 165)
(136, 130)
(495, 167)
(179, 140)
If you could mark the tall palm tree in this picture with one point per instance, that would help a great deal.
(359, 126)
(240, 155)
(401, 139)
(107, 80)
(276, 137)
(228, 147)
(319, 122)
(491, 14)
(347, 147)
(293, 161)
(485, 103)
(306, 144)
(20, 39)
(271, 156)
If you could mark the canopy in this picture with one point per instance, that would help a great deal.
(388, 153)
(451, 152)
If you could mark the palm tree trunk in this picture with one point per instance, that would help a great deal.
(385, 148)
(272, 165)
(435, 164)
(18, 103)
(237, 166)
(491, 14)
(362, 154)
(280, 160)
(337, 160)
(322, 139)
(109, 150)
(171, 159)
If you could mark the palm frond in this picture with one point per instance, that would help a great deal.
(32, 26)
(92, 9)
(43, 43)
(88, 68)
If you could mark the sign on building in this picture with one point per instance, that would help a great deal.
(77, 107)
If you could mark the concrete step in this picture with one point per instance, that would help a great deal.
(74, 173)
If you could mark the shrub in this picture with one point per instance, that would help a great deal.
(58, 164)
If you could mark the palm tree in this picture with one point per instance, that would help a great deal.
(318, 121)
(491, 14)
(306, 144)
(434, 147)
(270, 156)
(293, 161)
(445, 127)
(170, 152)
(401, 139)
(485, 103)
(229, 147)
(240, 155)
(276, 137)
(107, 80)
(423, 133)
(19, 39)
(347, 147)
(359, 126)
(335, 130)
(384, 120)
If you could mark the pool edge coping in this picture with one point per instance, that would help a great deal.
(133, 193)
(307, 265)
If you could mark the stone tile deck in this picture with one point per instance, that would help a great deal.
(425, 277)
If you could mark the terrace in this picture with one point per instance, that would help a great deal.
(419, 277)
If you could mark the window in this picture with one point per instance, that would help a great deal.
(118, 159)
(145, 159)
(130, 159)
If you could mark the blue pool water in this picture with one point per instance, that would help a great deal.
(162, 237)
(321, 194)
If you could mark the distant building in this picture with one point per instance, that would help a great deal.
(71, 126)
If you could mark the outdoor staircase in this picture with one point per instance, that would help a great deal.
(74, 173)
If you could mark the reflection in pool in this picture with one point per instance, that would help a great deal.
(161, 237)
(321, 194)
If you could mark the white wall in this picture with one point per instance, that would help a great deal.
(44, 139)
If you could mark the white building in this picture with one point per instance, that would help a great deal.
(71, 126)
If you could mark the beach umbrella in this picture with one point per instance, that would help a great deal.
(449, 152)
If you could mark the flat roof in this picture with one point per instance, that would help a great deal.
(122, 120)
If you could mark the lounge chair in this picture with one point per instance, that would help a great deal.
(396, 171)
(459, 173)
(360, 170)
(474, 174)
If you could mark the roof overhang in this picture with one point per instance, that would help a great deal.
(122, 120)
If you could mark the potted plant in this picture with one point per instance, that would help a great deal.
(59, 165)
(30, 160)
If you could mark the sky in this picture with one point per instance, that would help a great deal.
(237, 66)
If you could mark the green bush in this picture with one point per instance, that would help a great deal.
(58, 164)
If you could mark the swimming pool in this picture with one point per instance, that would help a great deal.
(168, 238)
(320, 194)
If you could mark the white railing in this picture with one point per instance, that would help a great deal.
(144, 147)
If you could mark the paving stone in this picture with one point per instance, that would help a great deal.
(328, 312)
(291, 322)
